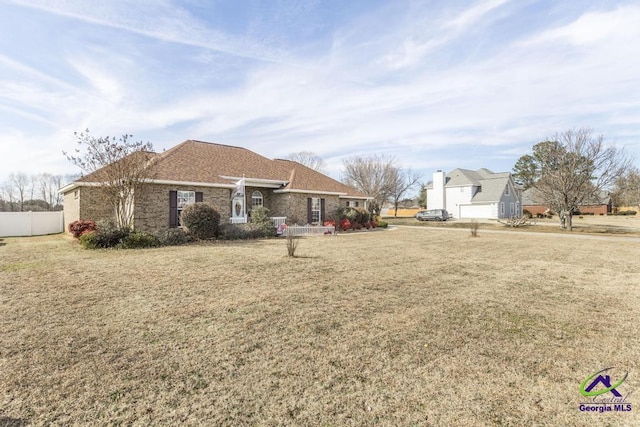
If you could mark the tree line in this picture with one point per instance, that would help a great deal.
(568, 170)
(22, 192)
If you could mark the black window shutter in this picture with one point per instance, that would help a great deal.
(173, 208)
(321, 211)
(309, 213)
(199, 197)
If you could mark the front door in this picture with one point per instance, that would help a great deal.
(238, 215)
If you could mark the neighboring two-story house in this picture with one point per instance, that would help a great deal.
(475, 194)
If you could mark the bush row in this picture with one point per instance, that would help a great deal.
(625, 213)
(200, 221)
(354, 219)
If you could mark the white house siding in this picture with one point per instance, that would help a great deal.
(457, 197)
(478, 211)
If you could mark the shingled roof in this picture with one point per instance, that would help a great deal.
(491, 184)
(222, 165)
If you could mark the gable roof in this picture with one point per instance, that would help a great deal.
(491, 184)
(492, 188)
(198, 162)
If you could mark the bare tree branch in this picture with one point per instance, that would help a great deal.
(308, 159)
(121, 167)
(372, 176)
(571, 169)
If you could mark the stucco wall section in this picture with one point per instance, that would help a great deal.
(71, 207)
(152, 208)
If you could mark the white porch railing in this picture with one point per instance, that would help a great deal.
(276, 220)
(300, 230)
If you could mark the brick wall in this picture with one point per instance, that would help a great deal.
(86, 203)
(294, 205)
(152, 208)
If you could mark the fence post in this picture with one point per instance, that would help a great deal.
(30, 216)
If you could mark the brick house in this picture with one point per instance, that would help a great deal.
(233, 180)
(600, 205)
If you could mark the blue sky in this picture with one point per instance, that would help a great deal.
(437, 84)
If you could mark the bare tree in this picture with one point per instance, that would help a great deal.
(19, 183)
(399, 182)
(571, 169)
(371, 176)
(48, 186)
(119, 166)
(627, 189)
(308, 159)
(6, 197)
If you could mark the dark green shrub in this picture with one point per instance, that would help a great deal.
(138, 239)
(233, 232)
(201, 221)
(383, 224)
(106, 235)
(527, 213)
(240, 232)
(89, 240)
(173, 237)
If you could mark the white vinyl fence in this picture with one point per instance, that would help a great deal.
(30, 223)
(301, 230)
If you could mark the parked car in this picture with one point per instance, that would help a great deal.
(433, 215)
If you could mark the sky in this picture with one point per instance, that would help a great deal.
(436, 84)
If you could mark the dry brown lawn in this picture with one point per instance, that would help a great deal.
(442, 330)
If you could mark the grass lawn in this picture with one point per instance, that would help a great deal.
(442, 329)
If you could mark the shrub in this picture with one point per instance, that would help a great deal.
(292, 244)
(625, 213)
(240, 232)
(382, 224)
(201, 221)
(261, 223)
(345, 224)
(138, 239)
(173, 237)
(80, 227)
(527, 213)
(89, 240)
(106, 235)
(473, 226)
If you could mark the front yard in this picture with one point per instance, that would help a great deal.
(401, 327)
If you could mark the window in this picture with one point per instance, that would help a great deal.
(76, 194)
(501, 208)
(511, 208)
(352, 204)
(506, 191)
(256, 199)
(185, 198)
(462, 189)
(315, 210)
(178, 200)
